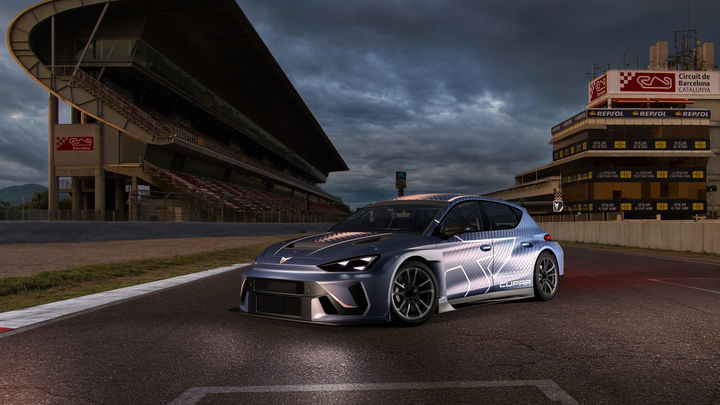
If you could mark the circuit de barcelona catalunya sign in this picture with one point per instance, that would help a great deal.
(653, 83)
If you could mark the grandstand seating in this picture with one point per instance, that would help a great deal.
(229, 195)
(237, 197)
(163, 128)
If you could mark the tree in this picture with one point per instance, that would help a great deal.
(39, 201)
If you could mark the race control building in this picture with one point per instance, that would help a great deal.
(179, 96)
(647, 145)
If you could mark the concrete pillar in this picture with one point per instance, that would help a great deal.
(52, 177)
(99, 176)
(134, 198)
(75, 115)
(85, 196)
(119, 192)
(76, 197)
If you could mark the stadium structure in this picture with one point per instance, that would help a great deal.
(646, 146)
(177, 111)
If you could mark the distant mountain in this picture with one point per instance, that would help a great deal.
(17, 194)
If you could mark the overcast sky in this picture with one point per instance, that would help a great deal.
(460, 94)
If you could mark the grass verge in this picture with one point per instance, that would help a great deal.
(655, 252)
(51, 286)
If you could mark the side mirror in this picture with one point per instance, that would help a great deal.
(450, 230)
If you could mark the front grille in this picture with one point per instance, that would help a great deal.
(296, 299)
(278, 305)
(278, 286)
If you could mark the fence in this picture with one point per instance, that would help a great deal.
(12, 214)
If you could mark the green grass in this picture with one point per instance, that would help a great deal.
(51, 286)
(657, 252)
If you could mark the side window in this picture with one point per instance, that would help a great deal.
(501, 216)
(468, 214)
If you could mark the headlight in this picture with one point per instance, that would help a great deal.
(353, 264)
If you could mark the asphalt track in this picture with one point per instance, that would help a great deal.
(625, 328)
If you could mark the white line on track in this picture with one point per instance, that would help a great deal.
(41, 313)
(548, 387)
(683, 285)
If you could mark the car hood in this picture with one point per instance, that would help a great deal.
(330, 246)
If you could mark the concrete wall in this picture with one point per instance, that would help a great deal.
(47, 232)
(700, 237)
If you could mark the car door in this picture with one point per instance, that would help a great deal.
(513, 257)
(468, 256)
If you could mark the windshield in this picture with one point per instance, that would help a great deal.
(412, 218)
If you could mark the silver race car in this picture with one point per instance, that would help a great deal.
(405, 259)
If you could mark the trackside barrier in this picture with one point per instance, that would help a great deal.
(685, 236)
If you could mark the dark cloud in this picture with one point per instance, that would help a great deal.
(461, 94)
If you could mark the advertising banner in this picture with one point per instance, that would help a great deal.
(638, 174)
(598, 87)
(74, 143)
(653, 83)
(658, 206)
(665, 113)
(631, 144)
(646, 113)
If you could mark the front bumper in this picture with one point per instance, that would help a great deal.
(314, 296)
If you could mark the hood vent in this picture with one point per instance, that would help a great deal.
(372, 240)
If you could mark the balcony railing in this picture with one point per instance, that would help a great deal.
(163, 129)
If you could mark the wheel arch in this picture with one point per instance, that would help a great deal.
(556, 251)
(430, 258)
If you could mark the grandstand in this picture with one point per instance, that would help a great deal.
(181, 96)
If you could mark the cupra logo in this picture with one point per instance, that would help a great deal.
(284, 259)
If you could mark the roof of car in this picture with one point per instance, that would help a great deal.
(433, 197)
(450, 197)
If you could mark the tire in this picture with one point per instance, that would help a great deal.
(546, 277)
(413, 294)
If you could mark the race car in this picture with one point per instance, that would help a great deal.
(405, 259)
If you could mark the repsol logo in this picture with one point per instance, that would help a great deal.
(515, 283)
(607, 113)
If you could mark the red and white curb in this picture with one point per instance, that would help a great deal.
(28, 316)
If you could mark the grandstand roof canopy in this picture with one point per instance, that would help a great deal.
(214, 41)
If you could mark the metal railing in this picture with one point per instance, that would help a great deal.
(166, 216)
(163, 129)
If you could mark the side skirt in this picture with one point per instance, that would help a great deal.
(497, 296)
